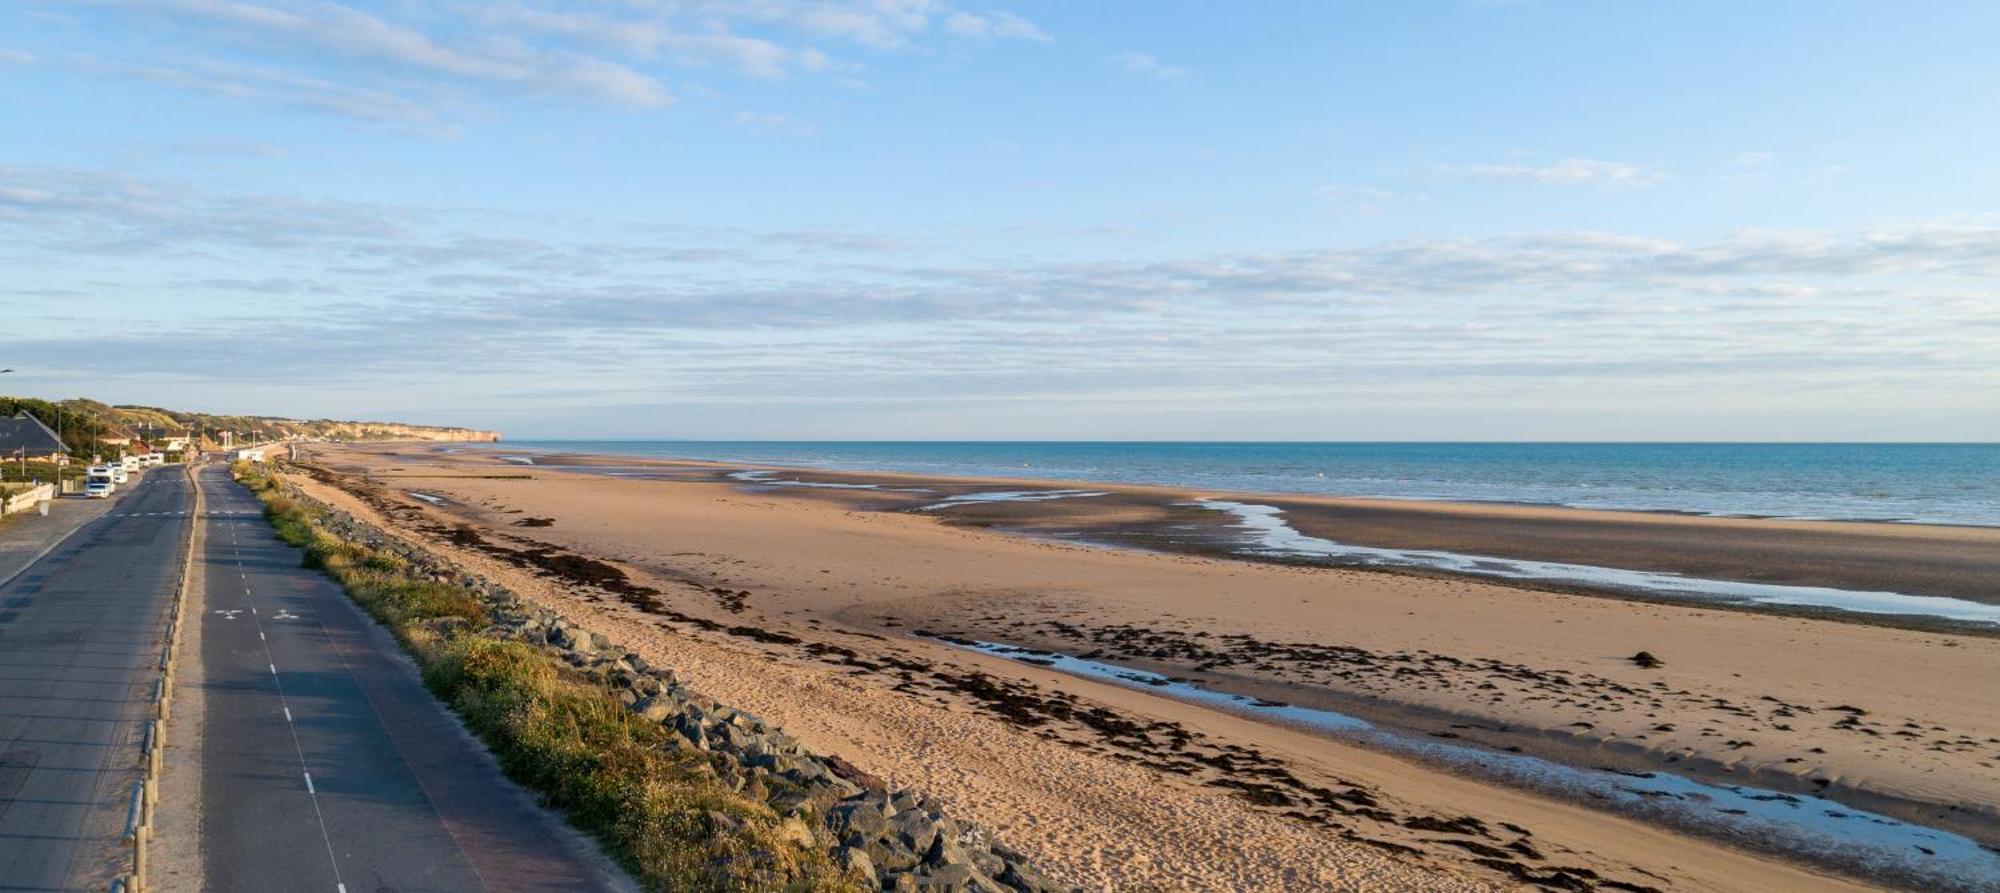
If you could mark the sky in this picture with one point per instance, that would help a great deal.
(1025, 219)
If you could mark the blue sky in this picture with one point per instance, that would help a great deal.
(917, 218)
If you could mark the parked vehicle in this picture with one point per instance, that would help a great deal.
(99, 481)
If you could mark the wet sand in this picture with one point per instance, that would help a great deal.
(1918, 559)
(821, 586)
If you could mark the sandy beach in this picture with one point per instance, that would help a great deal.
(831, 611)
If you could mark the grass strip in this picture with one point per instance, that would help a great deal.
(654, 803)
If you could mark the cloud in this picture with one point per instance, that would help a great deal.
(337, 58)
(1569, 171)
(401, 294)
(835, 240)
(1147, 64)
(995, 24)
(341, 31)
(269, 87)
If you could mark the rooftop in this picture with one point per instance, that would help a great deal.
(24, 434)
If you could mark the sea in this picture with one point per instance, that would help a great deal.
(1908, 483)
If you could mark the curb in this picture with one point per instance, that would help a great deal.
(146, 792)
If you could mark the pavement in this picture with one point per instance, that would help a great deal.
(24, 537)
(314, 760)
(324, 762)
(82, 619)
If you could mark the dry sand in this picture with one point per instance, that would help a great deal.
(795, 605)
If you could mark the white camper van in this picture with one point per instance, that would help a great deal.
(99, 481)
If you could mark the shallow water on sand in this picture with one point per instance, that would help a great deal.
(1267, 533)
(1811, 829)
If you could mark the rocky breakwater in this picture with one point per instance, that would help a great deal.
(894, 840)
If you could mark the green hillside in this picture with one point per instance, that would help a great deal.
(87, 426)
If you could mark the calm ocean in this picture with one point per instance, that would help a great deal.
(1925, 483)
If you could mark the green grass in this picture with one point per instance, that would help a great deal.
(654, 804)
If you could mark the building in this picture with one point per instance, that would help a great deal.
(166, 440)
(25, 437)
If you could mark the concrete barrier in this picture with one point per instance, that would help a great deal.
(22, 498)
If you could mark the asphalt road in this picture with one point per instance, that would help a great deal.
(325, 763)
(80, 636)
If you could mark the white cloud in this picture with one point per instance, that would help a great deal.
(270, 87)
(440, 294)
(613, 52)
(1147, 64)
(1569, 171)
(343, 32)
(996, 24)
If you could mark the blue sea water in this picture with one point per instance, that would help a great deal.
(1921, 483)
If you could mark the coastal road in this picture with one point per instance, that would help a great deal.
(325, 764)
(81, 630)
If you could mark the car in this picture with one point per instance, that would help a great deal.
(97, 490)
(119, 475)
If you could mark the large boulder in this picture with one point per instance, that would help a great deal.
(656, 709)
(857, 819)
(915, 829)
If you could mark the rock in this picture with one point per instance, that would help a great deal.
(794, 829)
(945, 879)
(722, 822)
(1027, 880)
(891, 854)
(1647, 660)
(655, 709)
(855, 861)
(857, 819)
(946, 851)
(988, 863)
(914, 829)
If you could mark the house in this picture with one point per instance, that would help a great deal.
(166, 440)
(25, 437)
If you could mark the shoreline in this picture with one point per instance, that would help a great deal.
(1461, 635)
(553, 448)
(1855, 571)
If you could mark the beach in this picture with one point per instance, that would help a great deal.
(847, 609)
